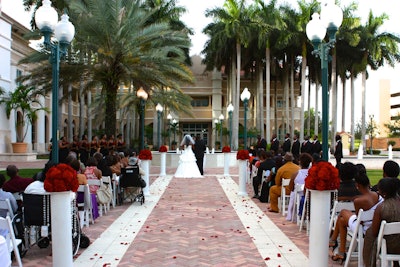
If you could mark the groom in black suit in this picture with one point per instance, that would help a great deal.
(199, 148)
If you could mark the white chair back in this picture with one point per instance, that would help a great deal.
(5, 204)
(284, 197)
(337, 207)
(298, 193)
(98, 182)
(381, 252)
(12, 242)
(86, 215)
(107, 181)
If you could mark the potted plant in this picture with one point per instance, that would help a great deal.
(25, 101)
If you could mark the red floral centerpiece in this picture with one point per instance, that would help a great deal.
(323, 176)
(162, 149)
(145, 154)
(60, 178)
(243, 154)
(226, 149)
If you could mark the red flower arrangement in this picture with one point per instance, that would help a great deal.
(145, 154)
(162, 149)
(322, 176)
(60, 178)
(243, 154)
(226, 149)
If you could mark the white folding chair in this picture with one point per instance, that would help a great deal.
(102, 207)
(85, 208)
(284, 199)
(8, 233)
(107, 181)
(5, 204)
(298, 193)
(337, 207)
(305, 214)
(381, 251)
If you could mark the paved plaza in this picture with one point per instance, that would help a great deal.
(190, 222)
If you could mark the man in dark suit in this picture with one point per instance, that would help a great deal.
(287, 143)
(296, 147)
(316, 146)
(261, 143)
(338, 150)
(274, 144)
(199, 148)
(306, 146)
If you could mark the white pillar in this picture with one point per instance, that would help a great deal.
(227, 157)
(61, 233)
(360, 153)
(242, 177)
(145, 164)
(163, 163)
(319, 227)
(390, 156)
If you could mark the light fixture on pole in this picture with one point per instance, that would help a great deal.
(169, 118)
(221, 118)
(230, 109)
(159, 109)
(46, 19)
(174, 124)
(331, 19)
(245, 96)
(142, 94)
(371, 131)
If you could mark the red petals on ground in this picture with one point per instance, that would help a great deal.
(279, 255)
(267, 258)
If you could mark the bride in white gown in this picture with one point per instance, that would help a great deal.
(187, 167)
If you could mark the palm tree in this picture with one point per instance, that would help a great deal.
(126, 48)
(235, 19)
(377, 49)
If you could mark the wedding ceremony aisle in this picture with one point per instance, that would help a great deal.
(189, 222)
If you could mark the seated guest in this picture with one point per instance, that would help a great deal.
(75, 164)
(113, 161)
(284, 172)
(298, 178)
(37, 187)
(368, 201)
(16, 183)
(6, 195)
(266, 164)
(102, 164)
(347, 190)
(91, 172)
(390, 169)
(388, 210)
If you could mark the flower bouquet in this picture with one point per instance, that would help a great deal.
(226, 149)
(61, 178)
(322, 176)
(243, 154)
(162, 149)
(145, 154)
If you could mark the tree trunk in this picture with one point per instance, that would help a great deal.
(344, 106)
(334, 98)
(70, 130)
(81, 109)
(111, 111)
(236, 99)
(268, 93)
(303, 90)
(363, 99)
(316, 117)
(260, 99)
(292, 104)
(352, 131)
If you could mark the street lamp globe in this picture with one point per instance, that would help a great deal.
(160, 108)
(169, 116)
(332, 17)
(230, 108)
(142, 94)
(315, 30)
(46, 17)
(64, 30)
(221, 117)
(245, 95)
(174, 121)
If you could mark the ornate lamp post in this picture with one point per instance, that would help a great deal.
(46, 19)
(221, 119)
(169, 118)
(174, 124)
(159, 110)
(230, 109)
(142, 94)
(331, 19)
(245, 96)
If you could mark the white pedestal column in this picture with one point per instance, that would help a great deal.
(163, 162)
(390, 152)
(227, 157)
(61, 232)
(242, 177)
(319, 227)
(145, 164)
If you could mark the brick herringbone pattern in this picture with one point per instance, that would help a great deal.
(192, 225)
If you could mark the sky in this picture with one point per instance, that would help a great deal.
(195, 19)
